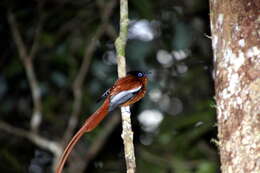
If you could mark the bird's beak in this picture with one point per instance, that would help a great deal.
(147, 73)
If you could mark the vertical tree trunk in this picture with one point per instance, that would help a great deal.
(235, 26)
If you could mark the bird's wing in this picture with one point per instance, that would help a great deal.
(122, 97)
(104, 95)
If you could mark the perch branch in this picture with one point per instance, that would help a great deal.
(127, 133)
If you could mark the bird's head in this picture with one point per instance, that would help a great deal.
(139, 74)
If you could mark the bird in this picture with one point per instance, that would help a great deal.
(125, 91)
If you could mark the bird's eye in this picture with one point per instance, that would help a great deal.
(140, 74)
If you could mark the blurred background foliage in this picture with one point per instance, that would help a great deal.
(174, 124)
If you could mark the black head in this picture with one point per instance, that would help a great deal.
(137, 73)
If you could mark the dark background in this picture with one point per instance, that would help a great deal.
(174, 124)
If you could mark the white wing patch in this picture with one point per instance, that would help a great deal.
(122, 94)
(122, 97)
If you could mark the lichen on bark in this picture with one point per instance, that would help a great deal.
(235, 40)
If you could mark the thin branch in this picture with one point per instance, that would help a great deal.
(77, 86)
(17, 36)
(36, 41)
(102, 138)
(111, 32)
(155, 159)
(27, 60)
(38, 30)
(78, 82)
(127, 133)
(83, 160)
(28, 65)
(36, 95)
(38, 140)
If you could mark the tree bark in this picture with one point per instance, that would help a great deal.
(235, 27)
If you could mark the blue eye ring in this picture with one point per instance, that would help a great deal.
(140, 74)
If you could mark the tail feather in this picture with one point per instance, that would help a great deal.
(98, 116)
(68, 149)
(89, 125)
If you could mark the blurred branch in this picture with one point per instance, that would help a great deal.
(35, 45)
(27, 57)
(127, 133)
(155, 159)
(38, 30)
(102, 137)
(17, 36)
(27, 60)
(38, 140)
(28, 65)
(78, 82)
(110, 30)
(83, 161)
(166, 160)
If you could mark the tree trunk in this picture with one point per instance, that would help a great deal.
(235, 27)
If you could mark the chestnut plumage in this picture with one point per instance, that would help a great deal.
(124, 92)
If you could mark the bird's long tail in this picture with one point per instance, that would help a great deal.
(89, 125)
